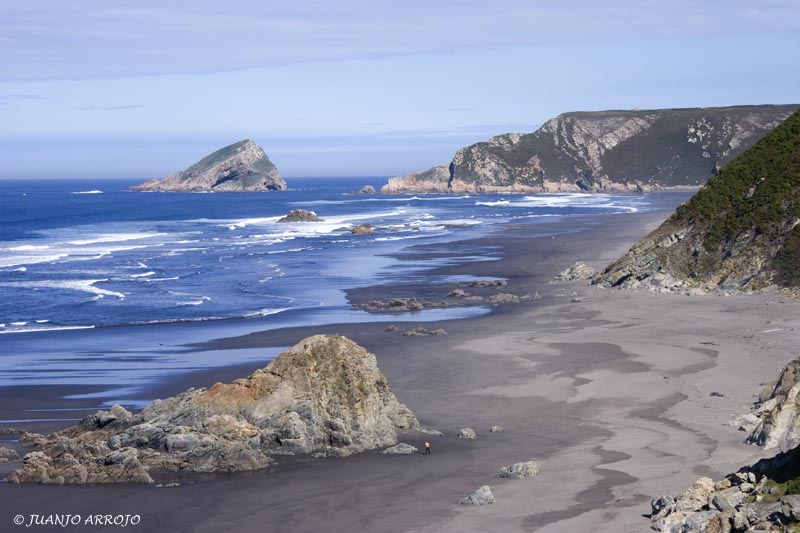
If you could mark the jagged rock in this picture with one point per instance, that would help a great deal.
(59, 467)
(583, 152)
(300, 215)
(400, 449)
(363, 229)
(240, 167)
(497, 429)
(489, 283)
(482, 496)
(398, 305)
(367, 189)
(696, 497)
(7, 454)
(778, 415)
(503, 298)
(422, 332)
(747, 423)
(467, 433)
(661, 507)
(391, 328)
(457, 293)
(432, 432)
(324, 395)
(578, 271)
(525, 470)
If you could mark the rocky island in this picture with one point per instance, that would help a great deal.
(240, 167)
(324, 396)
(603, 151)
(741, 231)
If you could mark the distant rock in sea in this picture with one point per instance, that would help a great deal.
(240, 167)
(300, 215)
(602, 151)
(324, 396)
(367, 189)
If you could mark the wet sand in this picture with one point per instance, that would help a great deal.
(610, 394)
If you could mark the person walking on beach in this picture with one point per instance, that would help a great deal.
(427, 448)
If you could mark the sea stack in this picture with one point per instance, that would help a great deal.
(240, 167)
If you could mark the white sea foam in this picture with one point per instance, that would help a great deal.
(83, 285)
(143, 275)
(96, 191)
(495, 203)
(115, 237)
(37, 329)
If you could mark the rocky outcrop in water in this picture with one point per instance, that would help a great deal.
(602, 151)
(240, 167)
(367, 189)
(300, 215)
(741, 231)
(363, 229)
(323, 396)
(778, 412)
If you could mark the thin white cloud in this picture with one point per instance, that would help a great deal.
(109, 108)
(54, 39)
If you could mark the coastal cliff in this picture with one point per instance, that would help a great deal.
(741, 231)
(324, 396)
(240, 167)
(605, 151)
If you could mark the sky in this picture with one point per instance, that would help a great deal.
(138, 89)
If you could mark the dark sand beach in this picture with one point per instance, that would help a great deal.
(610, 394)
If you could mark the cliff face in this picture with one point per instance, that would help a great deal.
(325, 396)
(740, 231)
(603, 151)
(240, 167)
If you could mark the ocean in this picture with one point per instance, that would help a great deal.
(106, 292)
(92, 254)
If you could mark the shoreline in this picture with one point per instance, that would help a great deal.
(549, 371)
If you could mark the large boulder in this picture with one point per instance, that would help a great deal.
(482, 496)
(323, 396)
(525, 470)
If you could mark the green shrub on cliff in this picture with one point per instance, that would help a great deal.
(755, 195)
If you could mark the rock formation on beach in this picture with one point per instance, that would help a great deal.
(240, 167)
(741, 231)
(577, 272)
(323, 396)
(602, 151)
(778, 411)
(761, 497)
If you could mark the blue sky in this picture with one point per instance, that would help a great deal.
(137, 89)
